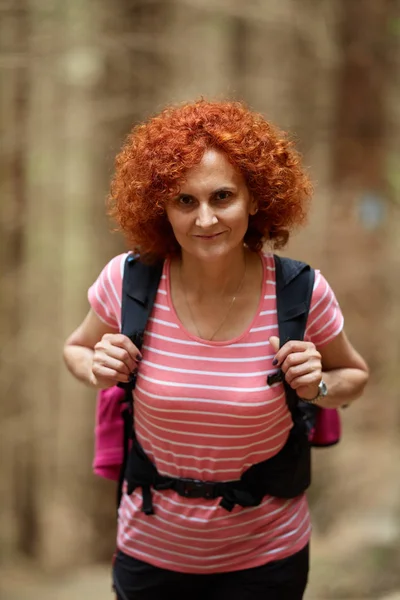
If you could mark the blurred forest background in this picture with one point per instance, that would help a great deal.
(75, 76)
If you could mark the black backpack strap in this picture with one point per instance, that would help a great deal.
(139, 289)
(294, 286)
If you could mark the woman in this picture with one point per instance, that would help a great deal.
(204, 186)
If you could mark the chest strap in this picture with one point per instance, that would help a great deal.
(285, 475)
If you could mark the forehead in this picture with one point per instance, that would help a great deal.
(214, 168)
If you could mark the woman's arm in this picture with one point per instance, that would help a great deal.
(344, 371)
(337, 363)
(98, 355)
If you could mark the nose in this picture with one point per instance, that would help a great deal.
(206, 216)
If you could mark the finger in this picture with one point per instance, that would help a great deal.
(121, 355)
(109, 362)
(294, 359)
(122, 341)
(102, 383)
(301, 370)
(106, 374)
(311, 379)
(274, 341)
(289, 348)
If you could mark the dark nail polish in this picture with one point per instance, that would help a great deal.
(275, 362)
(139, 357)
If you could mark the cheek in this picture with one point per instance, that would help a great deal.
(179, 222)
(237, 216)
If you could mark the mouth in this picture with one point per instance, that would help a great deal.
(209, 237)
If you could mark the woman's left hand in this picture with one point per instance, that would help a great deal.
(301, 363)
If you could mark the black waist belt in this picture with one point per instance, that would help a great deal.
(230, 492)
(285, 475)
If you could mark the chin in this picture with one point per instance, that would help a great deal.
(212, 253)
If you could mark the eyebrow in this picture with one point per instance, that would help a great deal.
(222, 188)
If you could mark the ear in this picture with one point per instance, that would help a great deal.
(253, 208)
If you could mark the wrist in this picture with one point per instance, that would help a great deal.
(321, 392)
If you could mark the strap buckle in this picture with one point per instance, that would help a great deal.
(195, 488)
(276, 377)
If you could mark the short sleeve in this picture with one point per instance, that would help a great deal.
(105, 294)
(325, 319)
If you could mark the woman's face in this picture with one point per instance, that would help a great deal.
(210, 215)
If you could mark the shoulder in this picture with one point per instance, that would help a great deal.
(111, 276)
(321, 291)
(105, 293)
(325, 319)
(114, 269)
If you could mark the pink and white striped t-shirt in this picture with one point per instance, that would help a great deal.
(203, 410)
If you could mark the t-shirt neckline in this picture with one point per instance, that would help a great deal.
(199, 340)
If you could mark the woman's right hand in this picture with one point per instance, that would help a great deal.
(115, 359)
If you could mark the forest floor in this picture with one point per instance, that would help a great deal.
(24, 584)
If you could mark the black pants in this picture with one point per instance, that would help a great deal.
(280, 580)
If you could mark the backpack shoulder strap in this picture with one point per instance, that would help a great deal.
(294, 287)
(139, 289)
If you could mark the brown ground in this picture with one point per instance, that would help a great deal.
(89, 584)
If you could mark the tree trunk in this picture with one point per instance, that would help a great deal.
(65, 244)
(358, 257)
(16, 513)
(359, 218)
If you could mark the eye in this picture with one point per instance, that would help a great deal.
(222, 195)
(185, 200)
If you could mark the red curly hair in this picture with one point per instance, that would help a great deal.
(157, 154)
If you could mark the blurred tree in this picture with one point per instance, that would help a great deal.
(78, 76)
(75, 77)
(15, 87)
(361, 195)
(361, 261)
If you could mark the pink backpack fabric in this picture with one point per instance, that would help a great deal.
(109, 433)
(327, 430)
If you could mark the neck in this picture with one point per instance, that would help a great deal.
(214, 278)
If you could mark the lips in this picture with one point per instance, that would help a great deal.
(209, 237)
